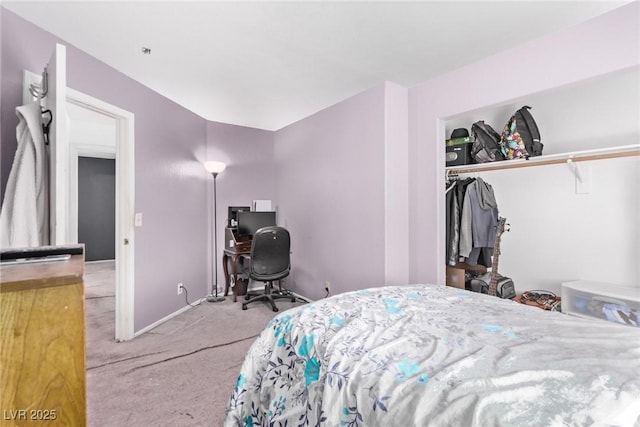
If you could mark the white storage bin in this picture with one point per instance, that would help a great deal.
(601, 301)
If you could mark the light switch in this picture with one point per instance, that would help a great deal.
(138, 219)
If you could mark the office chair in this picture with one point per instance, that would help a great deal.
(269, 261)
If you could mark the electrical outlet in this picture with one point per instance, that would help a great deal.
(180, 288)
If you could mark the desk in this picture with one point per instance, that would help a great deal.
(234, 246)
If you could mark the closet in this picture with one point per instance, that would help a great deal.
(573, 212)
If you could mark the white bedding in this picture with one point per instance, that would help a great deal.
(427, 355)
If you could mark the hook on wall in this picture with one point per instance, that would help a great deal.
(42, 90)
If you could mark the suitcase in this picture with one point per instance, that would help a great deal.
(505, 287)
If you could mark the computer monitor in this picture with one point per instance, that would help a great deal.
(250, 222)
(232, 215)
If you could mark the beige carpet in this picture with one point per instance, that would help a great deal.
(181, 373)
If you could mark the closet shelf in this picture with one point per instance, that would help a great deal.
(550, 159)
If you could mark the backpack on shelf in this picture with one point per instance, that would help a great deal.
(486, 144)
(521, 137)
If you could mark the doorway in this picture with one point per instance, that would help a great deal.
(113, 137)
(97, 208)
(105, 131)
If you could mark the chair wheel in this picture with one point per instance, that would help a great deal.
(293, 299)
(244, 306)
(275, 309)
(247, 297)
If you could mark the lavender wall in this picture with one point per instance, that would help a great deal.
(330, 178)
(396, 187)
(17, 53)
(604, 45)
(170, 182)
(250, 173)
(172, 189)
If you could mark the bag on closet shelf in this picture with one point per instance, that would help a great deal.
(521, 137)
(486, 144)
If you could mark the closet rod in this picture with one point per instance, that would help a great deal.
(598, 154)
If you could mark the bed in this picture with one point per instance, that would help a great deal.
(428, 355)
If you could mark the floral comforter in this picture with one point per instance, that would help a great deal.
(426, 355)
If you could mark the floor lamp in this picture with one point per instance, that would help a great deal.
(214, 168)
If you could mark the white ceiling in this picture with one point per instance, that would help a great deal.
(268, 64)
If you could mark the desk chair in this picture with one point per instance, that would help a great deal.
(269, 261)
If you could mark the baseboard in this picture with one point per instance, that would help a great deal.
(197, 303)
(170, 316)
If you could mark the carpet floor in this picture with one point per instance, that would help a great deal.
(180, 373)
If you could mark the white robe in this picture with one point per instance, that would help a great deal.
(24, 219)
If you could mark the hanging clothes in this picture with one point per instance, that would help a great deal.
(454, 201)
(478, 223)
(24, 218)
(472, 216)
(452, 230)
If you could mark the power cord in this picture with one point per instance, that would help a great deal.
(186, 297)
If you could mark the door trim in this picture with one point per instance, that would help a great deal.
(125, 200)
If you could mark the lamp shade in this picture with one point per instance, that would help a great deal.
(214, 167)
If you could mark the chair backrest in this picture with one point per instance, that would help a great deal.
(270, 250)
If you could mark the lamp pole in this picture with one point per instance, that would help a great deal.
(215, 168)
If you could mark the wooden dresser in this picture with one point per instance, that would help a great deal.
(42, 342)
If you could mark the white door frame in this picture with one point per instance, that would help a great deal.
(125, 201)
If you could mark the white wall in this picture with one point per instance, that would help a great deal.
(90, 128)
(557, 235)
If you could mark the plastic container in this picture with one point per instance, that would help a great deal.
(603, 301)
